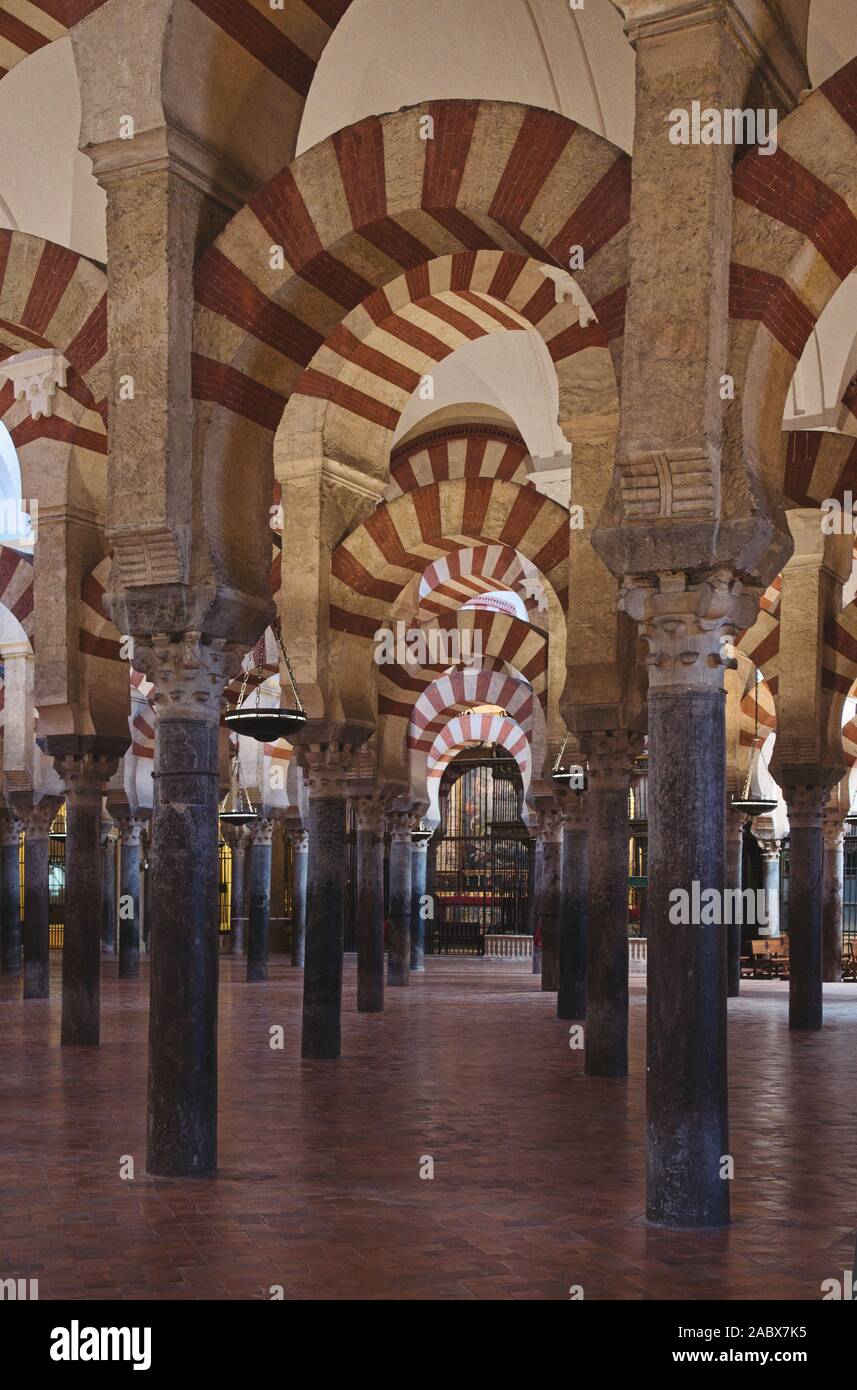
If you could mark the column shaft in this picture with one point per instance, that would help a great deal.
(834, 884)
(733, 879)
(806, 906)
(300, 842)
(108, 894)
(37, 931)
(129, 901)
(260, 901)
(607, 968)
(322, 1001)
(547, 910)
(370, 907)
(81, 955)
(687, 1124)
(10, 900)
(419, 881)
(399, 944)
(571, 998)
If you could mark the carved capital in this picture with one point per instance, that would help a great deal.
(38, 819)
(770, 849)
(190, 674)
(325, 766)
(833, 828)
(575, 812)
(687, 622)
(85, 778)
(610, 758)
(237, 837)
(662, 483)
(399, 827)
(370, 814)
(299, 840)
(262, 831)
(549, 826)
(10, 831)
(130, 830)
(36, 376)
(805, 805)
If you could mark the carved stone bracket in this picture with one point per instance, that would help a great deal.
(668, 483)
(36, 376)
(190, 674)
(687, 621)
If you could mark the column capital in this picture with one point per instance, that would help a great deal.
(370, 813)
(610, 758)
(687, 620)
(549, 825)
(805, 805)
(325, 766)
(85, 777)
(770, 848)
(36, 376)
(189, 672)
(262, 831)
(298, 838)
(10, 831)
(130, 830)
(833, 828)
(575, 812)
(399, 827)
(236, 836)
(420, 841)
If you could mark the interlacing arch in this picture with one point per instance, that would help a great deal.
(457, 451)
(454, 579)
(496, 729)
(351, 215)
(456, 690)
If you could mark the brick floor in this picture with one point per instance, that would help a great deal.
(538, 1170)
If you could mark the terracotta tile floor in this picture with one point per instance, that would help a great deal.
(538, 1170)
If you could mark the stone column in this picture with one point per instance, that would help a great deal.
(687, 622)
(399, 944)
(732, 878)
(610, 760)
(771, 863)
(834, 883)
(300, 851)
(37, 931)
(370, 905)
(534, 901)
(260, 899)
(108, 889)
(325, 767)
(11, 962)
(806, 904)
(189, 675)
(419, 880)
(238, 838)
(574, 908)
(147, 894)
(547, 904)
(85, 778)
(130, 838)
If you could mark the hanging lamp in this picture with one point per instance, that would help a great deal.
(566, 775)
(751, 801)
(242, 811)
(255, 721)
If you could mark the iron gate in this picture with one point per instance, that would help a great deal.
(480, 859)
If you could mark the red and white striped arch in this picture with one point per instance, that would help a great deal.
(348, 402)
(16, 587)
(794, 242)
(467, 729)
(458, 451)
(373, 564)
(351, 215)
(453, 692)
(455, 579)
(51, 297)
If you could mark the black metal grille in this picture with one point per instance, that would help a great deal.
(480, 859)
(56, 880)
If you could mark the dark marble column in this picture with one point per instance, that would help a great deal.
(574, 908)
(300, 867)
(108, 889)
(548, 903)
(370, 905)
(419, 880)
(532, 906)
(834, 883)
(610, 758)
(259, 920)
(734, 832)
(806, 904)
(688, 622)
(189, 675)
(322, 1002)
(85, 778)
(399, 943)
(238, 837)
(11, 958)
(130, 837)
(771, 855)
(147, 889)
(37, 930)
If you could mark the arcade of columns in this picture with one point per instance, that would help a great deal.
(261, 325)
